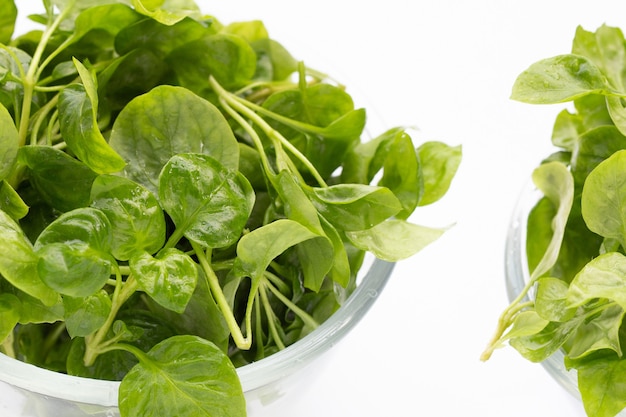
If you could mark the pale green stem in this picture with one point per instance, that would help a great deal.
(269, 313)
(248, 109)
(306, 317)
(242, 342)
(121, 294)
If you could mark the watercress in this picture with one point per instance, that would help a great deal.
(574, 300)
(181, 197)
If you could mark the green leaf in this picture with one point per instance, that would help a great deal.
(353, 207)
(601, 385)
(78, 118)
(556, 183)
(228, 58)
(167, 121)
(10, 311)
(208, 203)
(604, 198)
(169, 278)
(559, 79)
(167, 12)
(11, 202)
(60, 180)
(18, 263)
(8, 15)
(85, 315)
(598, 334)
(137, 220)
(537, 347)
(74, 252)
(394, 239)
(439, 164)
(185, 375)
(9, 142)
(258, 248)
(551, 300)
(526, 323)
(603, 277)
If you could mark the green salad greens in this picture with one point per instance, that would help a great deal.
(575, 298)
(180, 197)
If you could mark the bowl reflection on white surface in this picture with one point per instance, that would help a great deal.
(29, 391)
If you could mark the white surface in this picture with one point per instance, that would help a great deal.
(447, 67)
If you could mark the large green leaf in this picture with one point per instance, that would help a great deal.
(138, 223)
(169, 278)
(9, 142)
(18, 263)
(185, 375)
(208, 203)
(8, 15)
(167, 121)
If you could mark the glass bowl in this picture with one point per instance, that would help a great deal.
(517, 275)
(29, 391)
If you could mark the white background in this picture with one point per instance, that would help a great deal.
(446, 67)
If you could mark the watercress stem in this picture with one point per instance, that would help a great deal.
(306, 317)
(248, 109)
(269, 313)
(122, 292)
(242, 342)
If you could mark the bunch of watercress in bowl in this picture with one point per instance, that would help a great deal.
(182, 198)
(565, 254)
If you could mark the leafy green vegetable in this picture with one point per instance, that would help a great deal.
(179, 196)
(575, 299)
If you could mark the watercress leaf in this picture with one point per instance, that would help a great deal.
(617, 110)
(539, 346)
(137, 220)
(355, 206)
(78, 119)
(601, 385)
(559, 79)
(274, 62)
(298, 207)
(8, 15)
(9, 142)
(209, 203)
(228, 58)
(363, 161)
(255, 250)
(201, 317)
(604, 198)
(599, 333)
(566, 130)
(394, 239)
(603, 277)
(168, 12)
(593, 147)
(556, 183)
(526, 323)
(167, 121)
(11, 202)
(185, 375)
(74, 252)
(35, 311)
(10, 310)
(104, 18)
(85, 315)
(605, 48)
(169, 278)
(251, 31)
(60, 180)
(161, 39)
(551, 300)
(403, 173)
(439, 163)
(18, 263)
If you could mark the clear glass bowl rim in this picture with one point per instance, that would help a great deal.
(252, 376)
